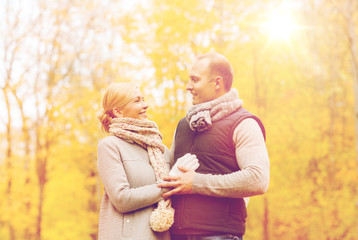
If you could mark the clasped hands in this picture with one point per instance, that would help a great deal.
(181, 176)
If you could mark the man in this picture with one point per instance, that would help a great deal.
(229, 143)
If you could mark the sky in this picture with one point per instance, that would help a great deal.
(279, 25)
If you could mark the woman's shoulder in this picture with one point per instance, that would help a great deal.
(118, 144)
(108, 139)
(111, 140)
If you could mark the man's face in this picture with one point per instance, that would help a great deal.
(201, 87)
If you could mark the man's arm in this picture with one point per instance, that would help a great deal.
(252, 179)
(253, 160)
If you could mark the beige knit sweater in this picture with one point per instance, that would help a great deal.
(252, 158)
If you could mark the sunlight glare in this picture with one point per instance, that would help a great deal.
(279, 27)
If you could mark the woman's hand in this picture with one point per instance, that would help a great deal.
(189, 161)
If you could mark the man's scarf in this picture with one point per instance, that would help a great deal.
(201, 116)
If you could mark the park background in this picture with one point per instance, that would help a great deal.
(295, 66)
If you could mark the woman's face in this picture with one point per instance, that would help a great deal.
(136, 108)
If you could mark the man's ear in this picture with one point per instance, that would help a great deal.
(117, 112)
(219, 83)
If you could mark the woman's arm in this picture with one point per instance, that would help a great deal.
(116, 185)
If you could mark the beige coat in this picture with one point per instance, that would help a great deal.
(130, 194)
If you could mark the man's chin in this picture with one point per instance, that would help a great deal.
(195, 102)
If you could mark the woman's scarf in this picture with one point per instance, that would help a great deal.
(147, 135)
(201, 116)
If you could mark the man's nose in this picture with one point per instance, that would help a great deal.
(189, 86)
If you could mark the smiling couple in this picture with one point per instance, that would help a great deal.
(142, 201)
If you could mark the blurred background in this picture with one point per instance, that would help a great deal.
(296, 67)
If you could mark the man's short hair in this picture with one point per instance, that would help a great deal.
(219, 66)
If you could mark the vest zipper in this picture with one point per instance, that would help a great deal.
(192, 143)
(182, 202)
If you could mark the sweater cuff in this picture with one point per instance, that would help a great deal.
(198, 184)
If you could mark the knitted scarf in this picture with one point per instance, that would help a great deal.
(147, 135)
(201, 116)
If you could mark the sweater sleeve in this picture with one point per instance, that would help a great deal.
(253, 160)
(115, 182)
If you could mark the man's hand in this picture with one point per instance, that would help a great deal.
(182, 184)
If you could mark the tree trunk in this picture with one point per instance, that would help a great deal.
(39, 209)
(9, 165)
(41, 164)
(266, 219)
(259, 104)
(351, 7)
(93, 201)
(26, 134)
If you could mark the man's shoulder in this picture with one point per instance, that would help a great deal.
(244, 115)
(182, 121)
(243, 112)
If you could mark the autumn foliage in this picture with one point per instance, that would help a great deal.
(57, 58)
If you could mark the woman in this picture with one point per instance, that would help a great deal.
(130, 161)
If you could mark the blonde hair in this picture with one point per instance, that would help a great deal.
(117, 95)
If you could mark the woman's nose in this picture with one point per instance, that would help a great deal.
(145, 105)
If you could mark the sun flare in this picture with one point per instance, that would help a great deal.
(279, 27)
